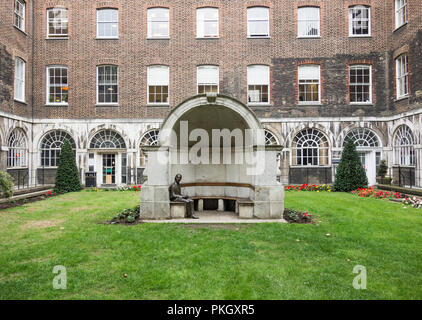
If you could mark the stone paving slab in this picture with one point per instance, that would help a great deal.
(208, 217)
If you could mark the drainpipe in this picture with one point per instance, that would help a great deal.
(32, 91)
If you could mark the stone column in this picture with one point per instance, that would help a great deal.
(269, 193)
(155, 203)
(3, 158)
(220, 205)
(200, 205)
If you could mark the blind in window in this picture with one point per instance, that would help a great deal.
(310, 72)
(258, 75)
(158, 76)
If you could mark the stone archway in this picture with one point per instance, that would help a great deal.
(248, 172)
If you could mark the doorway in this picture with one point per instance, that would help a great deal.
(369, 163)
(109, 168)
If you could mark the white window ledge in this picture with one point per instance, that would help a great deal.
(207, 38)
(402, 98)
(158, 38)
(361, 103)
(56, 105)
(258, 37)
(105, 38)
(158, 104)
(57, 38)
(399, 27)
(20, 30)
(258, 104)
(308, 37)
(20, 101)
(316, 103)
(360, 36)
(107, 105)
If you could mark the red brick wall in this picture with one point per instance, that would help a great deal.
(16, 44)
(232, 51)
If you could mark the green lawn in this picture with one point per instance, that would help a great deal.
(262, 261)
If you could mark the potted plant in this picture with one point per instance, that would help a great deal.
(382, 172)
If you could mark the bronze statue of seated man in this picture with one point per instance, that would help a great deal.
(175, 193)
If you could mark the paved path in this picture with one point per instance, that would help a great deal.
(216, 217)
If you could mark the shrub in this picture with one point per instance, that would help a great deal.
(350, 173)
(6, 184)
(67, 177)
(382, 169)
(127, 216)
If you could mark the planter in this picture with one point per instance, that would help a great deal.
(386, 180)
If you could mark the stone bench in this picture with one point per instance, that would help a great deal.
(244, 206)
(177, 210)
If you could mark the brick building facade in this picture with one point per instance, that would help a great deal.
(381, 40)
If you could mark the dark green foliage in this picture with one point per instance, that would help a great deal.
(67, 177)
(127, 216)
(6, 184)
(350, 173)
(383, 168)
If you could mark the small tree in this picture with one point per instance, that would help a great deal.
(350, 173)
(6, 184)
(67, 177)
(382, 169)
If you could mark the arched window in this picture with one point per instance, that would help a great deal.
(363, 138)
(51, 146)
(310, 148)
(107, 139)
(270, 138)
(404, 152)
(18, 149)
(149, 139)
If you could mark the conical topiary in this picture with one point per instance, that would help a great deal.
(350, 173)
(67, 177)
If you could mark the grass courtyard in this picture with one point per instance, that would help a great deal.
(168, 261)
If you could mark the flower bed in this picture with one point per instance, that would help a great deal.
(415, 202)
(310, 187)
(293, 216)
(377, 194)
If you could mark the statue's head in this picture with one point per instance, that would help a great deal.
(178, 178)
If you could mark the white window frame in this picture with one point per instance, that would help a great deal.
(149, 84)
(251, 83)
(299, 83)
(363, 66)
(62, 21)
(49, 85)
(402, 76)
(150, 21)
(202, 20)
(20, 4)
(20, 80)
(404, 146)
(51, 145)
(116, 83)
(107, 22)
(313, 140)
(267, 19)
(308, 23)
(361, 7)
(150, 138)
(400, 7)
(209, 67)
(17, 155)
